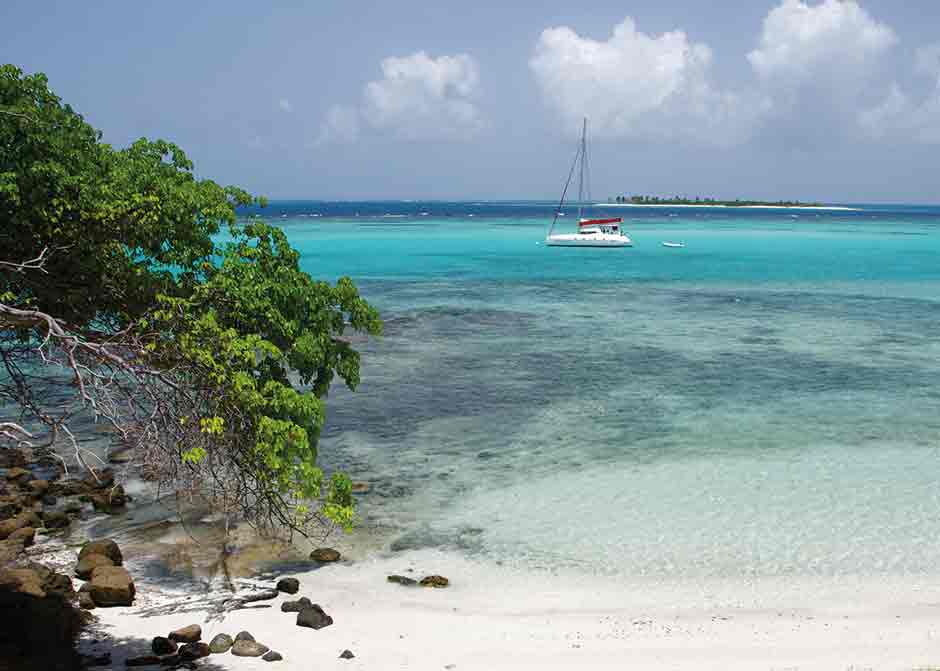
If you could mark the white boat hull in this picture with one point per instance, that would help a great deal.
(590, 240)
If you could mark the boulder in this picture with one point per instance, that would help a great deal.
(244, 636)
(434, 581)
(220, 643)
(360, 488)
(72, 508)
(163, 646)
(402, 580)
(10, 549)
(112, 586)
(51, 582)
(346, 654)
(325, 555)
(271, 656)
(313, 617)
(38, 488)
(188, 634)
(245, 648)
(49, 500)
(192, 651)
(106, 547)
(111, 501)
(23, 581)
(10, 505)
(142, 660)
(39, 620)
(288, 585)
(26, 518)
(88, 564)
(296, 606)
(24, 534)
(54, 519)
(7, 527)
(172, 661)
(19, 475)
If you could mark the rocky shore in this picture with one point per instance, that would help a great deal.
(39, 602)
(55, 588)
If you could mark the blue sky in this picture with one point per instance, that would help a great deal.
(803, 99)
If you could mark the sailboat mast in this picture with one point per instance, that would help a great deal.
(581, 177)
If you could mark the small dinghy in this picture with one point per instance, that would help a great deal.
(673, 244)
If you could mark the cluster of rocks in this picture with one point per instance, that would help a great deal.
(36, 601)
(29, 504)
(100, 564)
(427, 581)
(309, 614)
(39, 619)
(184, 646)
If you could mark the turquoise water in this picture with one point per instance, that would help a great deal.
(762, 402)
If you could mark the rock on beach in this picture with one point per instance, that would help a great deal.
(112, 586)
(188, 634)
(106, 547)
(163, 646)
(434, 581)
(325, 555)
(220, 643)
(245, 648)
(288, 585)
(296, 606)
(313, 617)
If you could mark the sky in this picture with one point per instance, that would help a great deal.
(827, 100)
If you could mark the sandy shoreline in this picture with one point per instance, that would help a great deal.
(493, 617)
(834, 208)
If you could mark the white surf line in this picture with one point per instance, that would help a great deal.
(835, 208)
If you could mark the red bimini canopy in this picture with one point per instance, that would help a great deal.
(598, 222)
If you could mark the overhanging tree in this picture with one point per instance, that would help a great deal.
(118, 298)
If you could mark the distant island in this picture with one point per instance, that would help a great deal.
(698, 200)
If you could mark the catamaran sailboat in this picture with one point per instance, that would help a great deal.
(591, 232)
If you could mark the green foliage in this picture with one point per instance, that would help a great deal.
(135, 240)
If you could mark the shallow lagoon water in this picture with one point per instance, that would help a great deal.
(763, 401)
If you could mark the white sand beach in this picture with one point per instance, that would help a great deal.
(493, 618)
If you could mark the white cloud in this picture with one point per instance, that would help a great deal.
(898, 117)
(418, 98)
(285, 105)
(341, 125)
(422, 97)
(836, 42)
(821, 72)
(635, 84)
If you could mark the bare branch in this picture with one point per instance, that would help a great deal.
(33, 264)
(16, 434)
